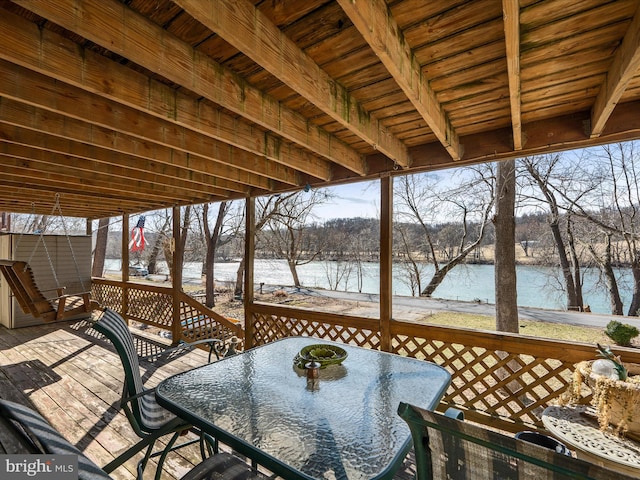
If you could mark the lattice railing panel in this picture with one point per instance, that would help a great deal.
(199, 323)
(271, 323)
(153, 305)
(107, 295)
(499, 377)
(154, 308)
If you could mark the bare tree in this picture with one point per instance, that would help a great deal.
(99, 253)
(180, 242)
(611, 201)
(411, 258)
(544, 173)
(266, 208)
(338, 272)
(287, 235)
(214, 239)
(604, 263)
(505, 253)
(162, 230)
(424, 200)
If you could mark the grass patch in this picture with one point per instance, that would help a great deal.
(557, 331)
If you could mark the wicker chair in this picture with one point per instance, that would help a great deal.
(30, 433)
(149, 420)
(447, 448)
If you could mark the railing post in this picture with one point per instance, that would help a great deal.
(125, 266)
(249, 254)
(176, 327)
(386, 264)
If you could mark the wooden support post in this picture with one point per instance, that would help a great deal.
(176, 277)
(125, 267)
(249, 255)
(386, 263)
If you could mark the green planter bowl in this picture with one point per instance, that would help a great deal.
(322, 353)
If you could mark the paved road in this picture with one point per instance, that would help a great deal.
(418, 307)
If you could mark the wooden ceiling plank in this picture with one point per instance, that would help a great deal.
(39, 127)
(43, 193)
(453, 65)
(114, 26)
(587, 87)
(456, 19)
(53, 55)
(469, 40)
(152, 182)
(35, 89)
(248, 29)
(99, 187)
(511, 13)
(584, 23)
(376, 24)
(624, 67)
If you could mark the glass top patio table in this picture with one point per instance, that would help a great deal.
(343, 425)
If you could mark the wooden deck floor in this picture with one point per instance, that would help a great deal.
(73, 377)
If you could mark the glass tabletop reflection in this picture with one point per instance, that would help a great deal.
(342, 425)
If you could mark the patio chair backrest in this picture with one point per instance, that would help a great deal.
(147, 415)
(459, 450)
(37, 436)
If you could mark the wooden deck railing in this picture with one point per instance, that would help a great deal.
(498, 379)
(153, 305)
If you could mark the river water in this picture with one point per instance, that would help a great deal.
(537, 286)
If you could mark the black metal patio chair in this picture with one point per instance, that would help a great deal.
(36, 436)
(149, 420)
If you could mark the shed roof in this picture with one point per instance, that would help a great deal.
(134, 105)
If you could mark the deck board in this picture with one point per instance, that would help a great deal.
(73, 377)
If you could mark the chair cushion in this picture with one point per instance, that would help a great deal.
(153, 416)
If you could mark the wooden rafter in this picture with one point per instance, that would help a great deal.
(90, 185)
(624, 67)
(511, 14)
(55, 158)
(28, 125)
(73, 203)
(114, 26)
(44, 92)
(241, 24)
(55, 56)
(378, 27)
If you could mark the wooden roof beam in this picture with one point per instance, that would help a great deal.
(33, 88)
(380, 30)
(511, 15)
(55, 56)
(108, 176)
(100, 188)
(245, 27)
(623, 68)
(44, 200)
(52, 131)
(114, 26)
